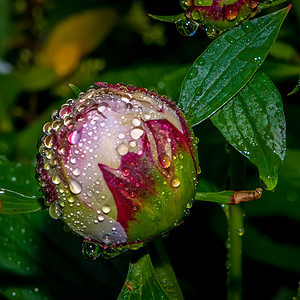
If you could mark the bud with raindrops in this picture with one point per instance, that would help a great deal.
(214, 16)
(119, 166)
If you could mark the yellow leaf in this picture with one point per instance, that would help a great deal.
(76, 36)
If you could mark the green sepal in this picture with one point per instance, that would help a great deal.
(170, 19)
(75, 89)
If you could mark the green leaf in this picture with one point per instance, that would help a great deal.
(141, 281)
(274, 3)
(227, 65)
(75, 89)
(284, 201)
(172, 19)
(18, 188)
(254, 123)
(15, 203)
(36, 252)
(25, 292)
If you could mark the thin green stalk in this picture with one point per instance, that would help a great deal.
(234, 255)
(235, 230)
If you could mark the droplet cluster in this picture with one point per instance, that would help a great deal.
(214, 16)
(104, 128)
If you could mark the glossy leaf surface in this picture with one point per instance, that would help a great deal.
(254, 123)
(18, 188)
(227, 65)
(142, 282)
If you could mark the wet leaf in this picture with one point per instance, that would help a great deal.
(171, 19)
(37, 253)
(18, 177)
(142, 282)
(76, 36)
(18, 188)
(284, 201)
(12, 202)
(254, 123)
(227, 65)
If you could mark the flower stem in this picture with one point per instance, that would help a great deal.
(234, 255)
(234, 214)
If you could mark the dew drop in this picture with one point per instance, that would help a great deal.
(101, 218)
(229, 39)
(102, 107)
(136, 122)
(47, 127)
(56, 124)
(253, 4)
(91, 250)
(192, 73)
(125, 172)
(230, 12)
(76, 172)
(55, 210)
(106, 209)
(73, 160)
(241, 231)
(164, 161)
(136, 133)
(122, 149)
(132, 144)
(247, 26)
(196, 14)
(56, 179)
(121, 135)
(212, 33)
(200, 61)
(74, 137)
(90, 193)
(75, 187)
(198, 91)
(175, 182)
(49, 141)
(186, 28)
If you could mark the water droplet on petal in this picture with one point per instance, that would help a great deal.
(175, 182)
(253, 4)
(75, 187)
(101, 218)
(76, 172)
(56, 179)
(122, 149)
(136, 122)
(106, 209)
(136, 133)
(164, 161)
(49, 141)
(230, 12)
(55, 210)
(74, 137)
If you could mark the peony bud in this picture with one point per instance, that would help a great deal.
(216, 16)
(118, 165)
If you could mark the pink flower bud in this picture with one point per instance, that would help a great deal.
(118, 165)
